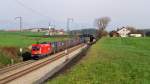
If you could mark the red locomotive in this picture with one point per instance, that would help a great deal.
(41, 50)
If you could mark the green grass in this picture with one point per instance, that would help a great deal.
(112, 61)
(24, 39)
(4, 60)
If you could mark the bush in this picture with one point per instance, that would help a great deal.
(4, 60)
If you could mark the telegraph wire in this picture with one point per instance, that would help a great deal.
(31, 9)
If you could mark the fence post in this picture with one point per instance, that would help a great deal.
(12, 61)
(21, 53)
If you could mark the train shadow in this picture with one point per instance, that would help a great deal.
(26, 56)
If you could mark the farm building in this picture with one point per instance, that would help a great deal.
(53, 32)
(135, 35)
(129, 32)
(36, 29)
(123, 32)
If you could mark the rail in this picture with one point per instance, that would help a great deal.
(36, 65)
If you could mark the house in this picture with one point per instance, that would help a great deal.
(135, 35)
(61, 32)
(123, 32)
(129, 32)
(53, 32)
(36, 29)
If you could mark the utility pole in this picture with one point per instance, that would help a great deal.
(20, 21)
(68, 24)
(49, 28)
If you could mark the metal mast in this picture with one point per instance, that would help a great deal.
(20, 21)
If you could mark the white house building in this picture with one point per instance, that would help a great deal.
(123, 32)
(135, 35)
(53, 32)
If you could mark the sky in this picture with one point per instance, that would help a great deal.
(39, 13)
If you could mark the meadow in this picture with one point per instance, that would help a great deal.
(111, 61)
(24, 39)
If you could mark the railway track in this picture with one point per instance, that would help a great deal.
(15, 66)
(35, 65)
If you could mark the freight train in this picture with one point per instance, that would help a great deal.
(44, 49)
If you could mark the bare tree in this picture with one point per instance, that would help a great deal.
(102, 23)
(132, 29)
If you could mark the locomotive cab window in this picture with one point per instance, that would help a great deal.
(35, 48)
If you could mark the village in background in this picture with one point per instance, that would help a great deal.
(127, 31)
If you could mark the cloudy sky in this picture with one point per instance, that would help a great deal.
(38, 13)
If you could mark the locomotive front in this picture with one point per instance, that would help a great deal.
(40, 50)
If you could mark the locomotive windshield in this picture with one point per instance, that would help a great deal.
(35, 48)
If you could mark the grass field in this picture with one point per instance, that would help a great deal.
(24, 39)
(111, 61)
